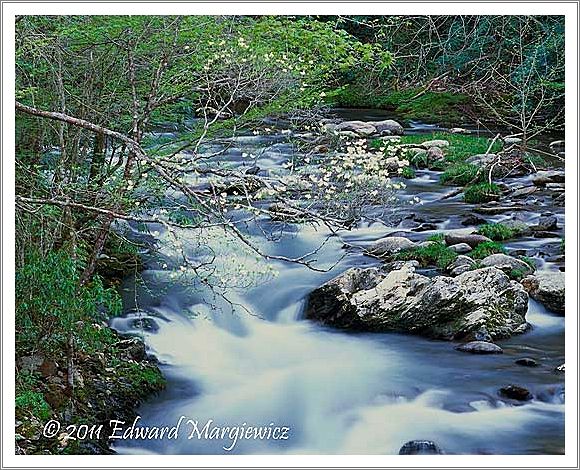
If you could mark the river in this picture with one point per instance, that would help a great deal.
(259, 362)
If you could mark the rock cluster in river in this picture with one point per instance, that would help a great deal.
(366, 129)
(439, 307)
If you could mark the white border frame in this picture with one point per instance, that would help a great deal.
(569, 9)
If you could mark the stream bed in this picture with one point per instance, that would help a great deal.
(252, 360)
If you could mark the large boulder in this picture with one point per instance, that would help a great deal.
(360, 128)
(548, 288)
(507, 264)
(388, 127)
(388, 246)
(403, 300)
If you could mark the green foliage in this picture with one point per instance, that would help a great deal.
(563, 246)
(461, 174)
(408, 173)
(485, 249)
(517, 274)
(413, 103)
(32, 402)
(435, 253)
(498, 232)
(481, 192)
(51, 306)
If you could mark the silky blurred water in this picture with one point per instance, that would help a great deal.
(252, 360)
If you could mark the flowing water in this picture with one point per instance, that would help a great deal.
(259, 363)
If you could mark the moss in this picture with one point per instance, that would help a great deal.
(481, 192)
(485, 249)
(461, 174)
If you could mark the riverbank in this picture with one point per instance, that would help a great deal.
(67, 391)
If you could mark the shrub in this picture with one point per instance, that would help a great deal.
(51, 306)
(485, 249)
(481, 192)
(461, 174)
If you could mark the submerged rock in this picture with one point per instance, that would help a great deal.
(480, 347)
(420, 448)
(403, 300)
(548, 288)
(527, 362)
(515, 392)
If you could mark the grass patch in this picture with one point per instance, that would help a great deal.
(483, 250)
(498, 232)
(461, 174)
(461, 146)
(481, 192)
(435, 254)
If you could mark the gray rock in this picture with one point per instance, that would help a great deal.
(482, 159)
(525, 191)
(360, 128)
(506, 263)
(420, 448)
(548, 288)
(461, 248)
(388, 246)
(388, 126)
(460, 265)
(458, 130)
(480, 347)
(439, 307)
(512, 140)
(550, 176)
(435, 154)
(547, 223)
(436, 143)
(471, 239)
